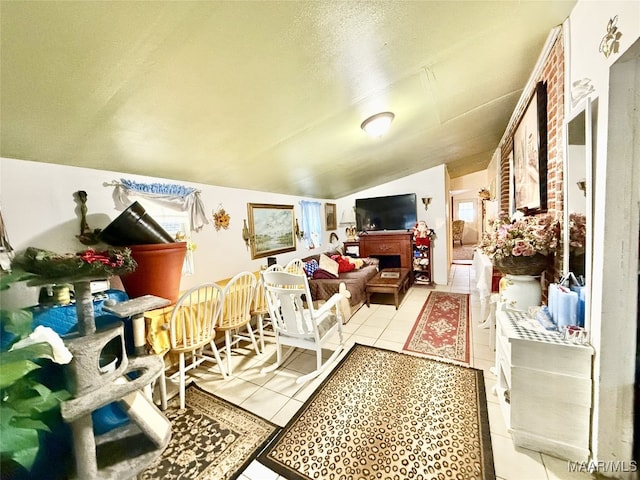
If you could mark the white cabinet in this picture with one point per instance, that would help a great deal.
(544, 388)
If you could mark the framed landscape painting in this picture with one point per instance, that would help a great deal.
(530, 155)
(271, 229)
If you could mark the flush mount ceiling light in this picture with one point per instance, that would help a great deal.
(378, 124)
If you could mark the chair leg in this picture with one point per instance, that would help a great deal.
(216, 354)
(253, 339)
(163, 391)
(318, 371)
(227, 346)
(261, 331)
(279, 359)
(182, 380)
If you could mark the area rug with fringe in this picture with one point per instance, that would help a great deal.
(385, 414)
(442, 328)
(210, 439)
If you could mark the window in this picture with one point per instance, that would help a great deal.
(311, 223)
(467, 211)
(177, 223)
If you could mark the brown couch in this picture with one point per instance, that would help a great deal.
(356, 280)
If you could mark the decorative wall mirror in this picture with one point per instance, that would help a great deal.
(578, 196)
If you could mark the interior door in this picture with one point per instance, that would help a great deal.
(467, 209)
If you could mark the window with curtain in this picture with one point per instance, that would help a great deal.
(178, 209)
(467, 211)
(311, 223)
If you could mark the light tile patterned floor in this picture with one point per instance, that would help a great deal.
(276, 396)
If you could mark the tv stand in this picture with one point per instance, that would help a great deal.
(376, 244)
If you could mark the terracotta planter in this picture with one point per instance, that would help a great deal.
(159, 270)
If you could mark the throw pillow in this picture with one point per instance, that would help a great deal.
(310, 267)
(329, 265)
(344, 265)
(358, 262)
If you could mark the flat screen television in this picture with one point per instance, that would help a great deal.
(393, 212)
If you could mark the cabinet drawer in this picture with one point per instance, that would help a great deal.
(561, 359)
(384, 248)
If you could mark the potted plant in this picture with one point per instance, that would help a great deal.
(31, 427)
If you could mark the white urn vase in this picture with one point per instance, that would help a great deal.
(519, 292)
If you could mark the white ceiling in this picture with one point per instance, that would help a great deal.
(266, 95)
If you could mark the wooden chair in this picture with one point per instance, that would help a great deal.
(259, 308)
(297, 326)
(295, 266)
(191, 328)
(239, 296)
(457, 228)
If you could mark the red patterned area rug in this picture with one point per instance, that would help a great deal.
(384, 414)
(442, 328)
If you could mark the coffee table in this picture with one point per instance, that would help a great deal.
(389, 280)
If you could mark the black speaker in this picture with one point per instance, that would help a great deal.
(271, 261)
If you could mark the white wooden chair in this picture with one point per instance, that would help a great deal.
(259, 308)
(191, 328)
(239, 295)
(297, 326)
(295, 266)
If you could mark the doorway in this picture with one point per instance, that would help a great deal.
(466, 210)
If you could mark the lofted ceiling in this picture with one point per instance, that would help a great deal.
(266, 95)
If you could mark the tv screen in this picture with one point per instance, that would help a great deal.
(394, 212)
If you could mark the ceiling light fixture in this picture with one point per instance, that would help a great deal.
(378, 124)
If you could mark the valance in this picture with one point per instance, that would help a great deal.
(173, 196)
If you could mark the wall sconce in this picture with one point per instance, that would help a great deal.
(582, 185)
(426, 201)
(378, 124)
(299, 233)
(245, 234)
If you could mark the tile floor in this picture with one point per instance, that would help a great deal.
(276, 396)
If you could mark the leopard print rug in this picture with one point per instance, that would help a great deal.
(389, 415)
(210, 439)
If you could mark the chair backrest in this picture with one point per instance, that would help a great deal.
(295, 266)
(195, 316)
(290, 303)
(239, 295)
(458, 227)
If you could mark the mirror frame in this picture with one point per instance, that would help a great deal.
(586, 108)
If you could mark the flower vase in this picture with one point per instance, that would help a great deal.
(519, 292)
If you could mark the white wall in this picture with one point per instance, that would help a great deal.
(428, 183)
(614, 200)
(39, 210)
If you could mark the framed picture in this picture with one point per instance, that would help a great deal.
(330, 216)
(530, 155)
(271, 229)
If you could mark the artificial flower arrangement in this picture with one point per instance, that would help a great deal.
(522, 239)
(75, 266)
(221, 218)
(577, 233)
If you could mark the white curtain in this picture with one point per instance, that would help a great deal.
(173, 196)
(311, 223)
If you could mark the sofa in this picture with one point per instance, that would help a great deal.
(323, 284)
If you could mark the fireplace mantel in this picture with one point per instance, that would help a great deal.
(376, 244)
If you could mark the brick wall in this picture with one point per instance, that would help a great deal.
(553, 74)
